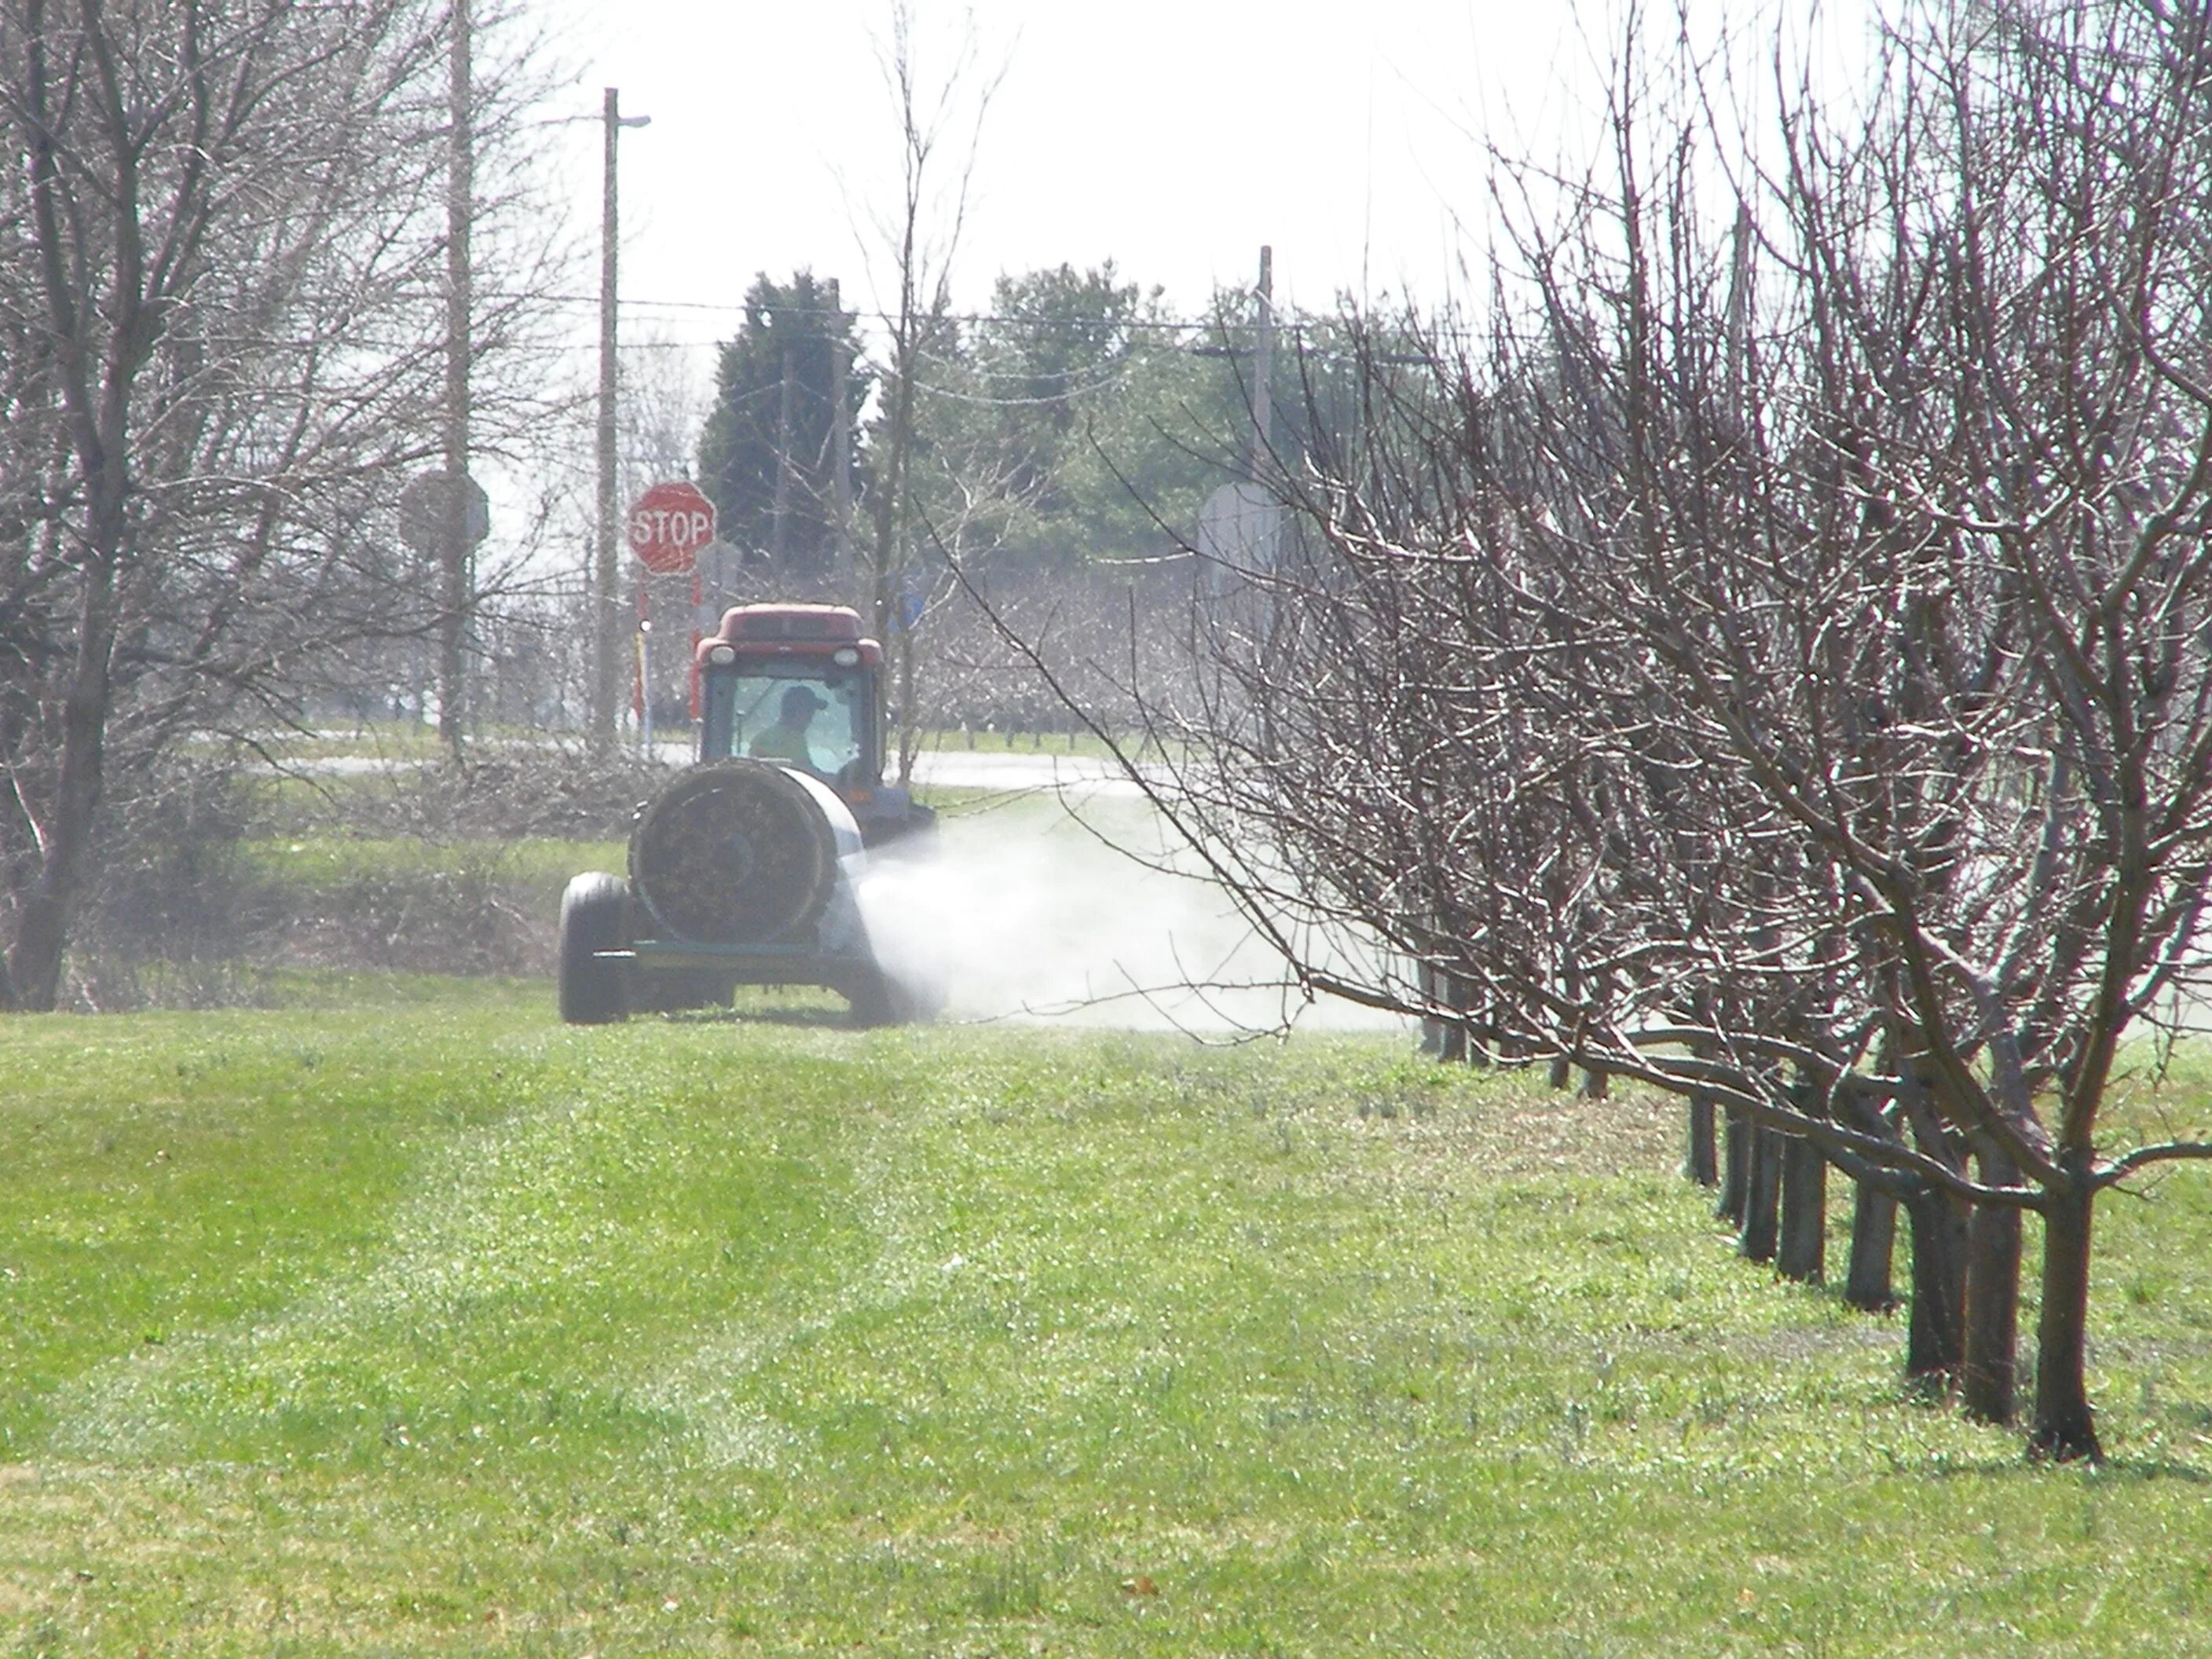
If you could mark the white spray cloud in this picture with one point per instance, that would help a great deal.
(1052, 906)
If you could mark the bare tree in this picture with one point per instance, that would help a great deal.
(1792, 691)
(231, 242)
(940, 123)
(1941, 624)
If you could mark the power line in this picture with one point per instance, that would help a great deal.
(1090, 325)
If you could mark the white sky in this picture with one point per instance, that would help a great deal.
(1174, 137)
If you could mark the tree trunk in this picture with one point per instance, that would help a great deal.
(42, 926)
(1762, 1197)
(1874, 1245)
(1803, 1249)
(1935, 1340)
(1736, 1169)
(1443, 1038)
(2064, 1426)
(1992, 1333)
(1698, 1161)
(1480, 1039)
(99, 435)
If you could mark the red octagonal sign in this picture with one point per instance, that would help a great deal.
(668, 526)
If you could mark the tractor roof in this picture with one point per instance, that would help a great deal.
(796, 630)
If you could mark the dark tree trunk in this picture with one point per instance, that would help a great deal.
(1563, 1071)
(1802, 1253)
(1986, 1368)
(1736, 1169)
(1762, 1198)
(1698, 1161)
(1477, 1035)
(47, 909)
(1444, 1038)
(1874, 1244)
(1596, 1083)
(2065, 1427)
(1934, 1339)
(1504, 1045)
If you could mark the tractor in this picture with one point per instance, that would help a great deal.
(743, 869)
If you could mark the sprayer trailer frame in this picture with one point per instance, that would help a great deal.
(744, 868)
(742, 964)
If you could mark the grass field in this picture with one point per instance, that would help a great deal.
(536, 866)
(414, 1323)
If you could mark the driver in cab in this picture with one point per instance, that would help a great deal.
(785, 742)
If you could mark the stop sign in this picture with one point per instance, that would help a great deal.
(670, 524)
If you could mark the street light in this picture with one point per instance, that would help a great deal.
(609, 652)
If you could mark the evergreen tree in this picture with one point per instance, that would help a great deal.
(756, 437)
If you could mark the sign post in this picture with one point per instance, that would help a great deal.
(669, 527)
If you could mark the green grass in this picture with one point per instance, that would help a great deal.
(536, 864)
(403, 1323)
(402, 741)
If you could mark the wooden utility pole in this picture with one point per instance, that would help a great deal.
(1739, 311)
(457, 540)
(840, 439)
(778, 546)
(1263, 363)
(610, 655)
(607, 653)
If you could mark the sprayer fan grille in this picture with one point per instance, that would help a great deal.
(734, 853)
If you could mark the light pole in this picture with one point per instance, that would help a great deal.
(610, 655)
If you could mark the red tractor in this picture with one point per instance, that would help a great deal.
(743, 870)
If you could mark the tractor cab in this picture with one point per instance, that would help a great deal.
(797, 684)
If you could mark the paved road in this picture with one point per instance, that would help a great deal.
(1084, 776)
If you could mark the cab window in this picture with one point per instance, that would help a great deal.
(792, 714)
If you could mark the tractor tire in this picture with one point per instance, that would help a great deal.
(594, 916)
(874, 1000)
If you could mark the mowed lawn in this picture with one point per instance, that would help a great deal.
(430, 1327)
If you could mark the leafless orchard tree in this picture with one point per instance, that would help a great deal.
(219, 296)
(1775, 663)
(940, 119)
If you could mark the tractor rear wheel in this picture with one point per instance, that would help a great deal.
(870, 995)
(594, 917)
(876, 998)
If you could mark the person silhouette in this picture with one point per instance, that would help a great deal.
(786, 740)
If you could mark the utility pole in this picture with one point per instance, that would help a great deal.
(1739, 311)
(609, 656)
(778, 546)
(455, 586)
(1263, 363)
(1263, 410)
(840, 439)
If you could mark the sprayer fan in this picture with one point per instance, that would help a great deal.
(734, 853)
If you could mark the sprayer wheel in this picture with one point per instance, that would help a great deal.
(594, 917)
(874, 1001)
